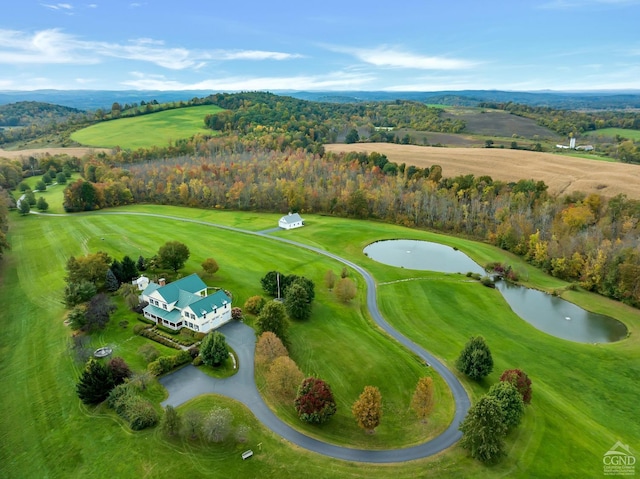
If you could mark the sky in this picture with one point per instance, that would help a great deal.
(414, 45)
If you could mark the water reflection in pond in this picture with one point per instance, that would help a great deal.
(548, 313)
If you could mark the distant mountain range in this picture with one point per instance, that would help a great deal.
(94, 99)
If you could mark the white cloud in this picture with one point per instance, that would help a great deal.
(332, 81)
(58, 6)
(385, 56)
(53, 46)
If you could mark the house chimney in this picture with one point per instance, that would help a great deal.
(162, 282)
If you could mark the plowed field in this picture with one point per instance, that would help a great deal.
(563, 174)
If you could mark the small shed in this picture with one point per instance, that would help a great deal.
(290, 221)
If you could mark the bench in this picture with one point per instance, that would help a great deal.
(247, 454)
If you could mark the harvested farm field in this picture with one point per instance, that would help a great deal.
(37, 152)
(563, 174)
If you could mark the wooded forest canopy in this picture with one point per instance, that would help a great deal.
(585, 239)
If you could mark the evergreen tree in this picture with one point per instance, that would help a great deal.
(483, 430)
(111, 282)
(171, 423)
(24, 207)
(141, 264)
(129, 270)
(214, 350)
(95, 382)
(116, 269)
(296, 302)
(42, 204)
(475, 359)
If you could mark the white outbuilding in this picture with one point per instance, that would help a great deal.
(290, 221)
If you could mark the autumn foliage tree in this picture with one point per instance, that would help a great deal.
(210, 266)
(422, 400)
(521, 382)
(345, 290)
(368, 409)
(314, 402)
(269, 347)
(284, 377)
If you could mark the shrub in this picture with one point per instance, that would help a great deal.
(139, 327)
(152, 335)
(148, 352)
(487, 281)
(236, 314)
(141, 414)
(197, 361)
(254, 304)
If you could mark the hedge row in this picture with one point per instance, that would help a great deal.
(154, 336)
(164, 364)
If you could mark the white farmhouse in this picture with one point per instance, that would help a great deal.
(185, 304)
(292, 220)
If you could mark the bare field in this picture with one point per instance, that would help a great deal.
(563, 174)
(74, 151)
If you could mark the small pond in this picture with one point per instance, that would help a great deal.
(548, 313)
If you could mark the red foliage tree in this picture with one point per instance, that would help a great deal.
(315, 403)
(521, 381)
(120, 370)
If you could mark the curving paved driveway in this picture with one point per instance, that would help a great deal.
(190, 382)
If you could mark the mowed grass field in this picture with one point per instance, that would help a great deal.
(613, 132)
(584, 395)
(155, 129)
(563, 174)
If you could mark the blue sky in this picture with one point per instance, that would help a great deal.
(416, 45)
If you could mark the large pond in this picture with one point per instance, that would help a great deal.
(548, 313)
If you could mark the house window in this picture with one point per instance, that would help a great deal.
(164, 306)
(193, 316)
(195, 326)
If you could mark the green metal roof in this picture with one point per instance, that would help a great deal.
(171, 316)
(206, 304)
(189, 284)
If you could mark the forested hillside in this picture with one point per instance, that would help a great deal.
(585, 239)
(26, 113)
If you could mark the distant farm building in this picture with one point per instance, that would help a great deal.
(572, 146)
(291, 221)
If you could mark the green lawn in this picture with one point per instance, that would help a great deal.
(584, 399)
(154, 129)
(53, 194)
(612, 132)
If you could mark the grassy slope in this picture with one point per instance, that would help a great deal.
(612, 132)
(584, 395)
(147, 130)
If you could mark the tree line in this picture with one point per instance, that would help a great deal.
(565, 122)
(586, 239)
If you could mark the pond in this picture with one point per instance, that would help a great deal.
(546, 312)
